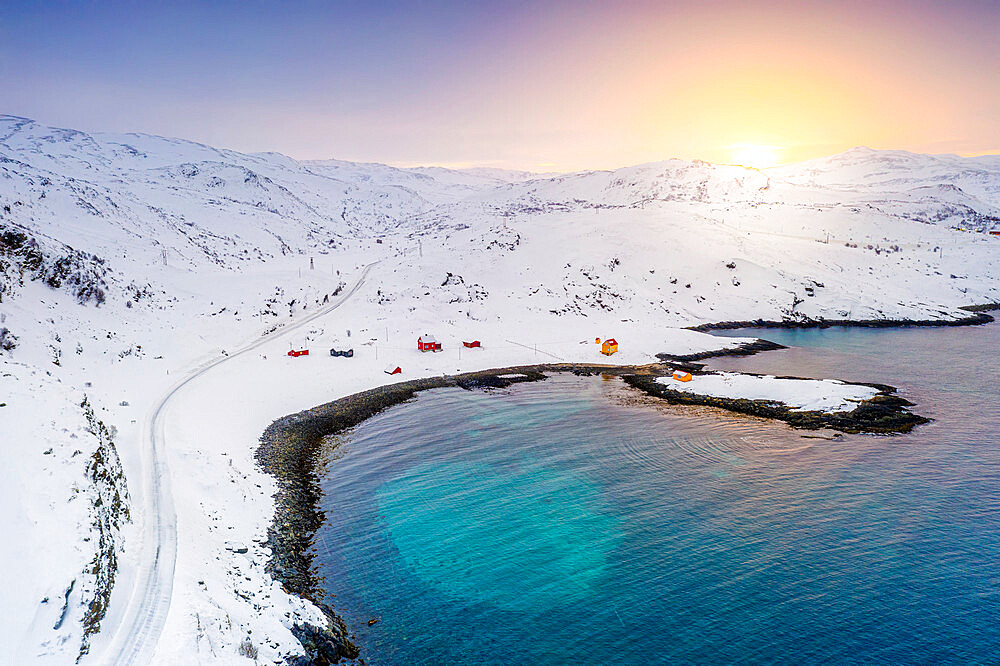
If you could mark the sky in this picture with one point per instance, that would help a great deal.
(542, 86)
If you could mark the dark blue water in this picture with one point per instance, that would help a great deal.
(572, 521)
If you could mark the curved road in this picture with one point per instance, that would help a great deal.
(134, 639)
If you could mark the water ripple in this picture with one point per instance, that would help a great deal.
(575, 521)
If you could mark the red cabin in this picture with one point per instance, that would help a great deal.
(427, 342)
(393, 370)
(474, 343)
(298, 352)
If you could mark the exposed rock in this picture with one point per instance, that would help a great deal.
(979, 317)
(884, 413)
(745, 349)
(324, 645)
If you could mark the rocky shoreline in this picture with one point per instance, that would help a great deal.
(983, 307)
(290, 446)
(977, 317)
(885, 413)
(289, 451)
(745, 349)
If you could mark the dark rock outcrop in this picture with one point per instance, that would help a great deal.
(885, 413)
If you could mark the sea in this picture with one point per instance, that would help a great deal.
(576, 520)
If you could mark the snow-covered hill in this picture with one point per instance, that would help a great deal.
(128, 260)
(942, 189)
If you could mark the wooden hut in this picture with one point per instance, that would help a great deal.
(428, 342)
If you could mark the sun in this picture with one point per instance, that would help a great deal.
(754, 155)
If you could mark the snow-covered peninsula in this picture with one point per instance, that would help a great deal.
(150, 289)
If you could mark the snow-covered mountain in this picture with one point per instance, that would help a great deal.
(942, 189)
(128, 260)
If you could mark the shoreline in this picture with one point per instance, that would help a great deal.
(289, 450)
(290, 446)
(744, 349)
(977, 318)
(883, 414)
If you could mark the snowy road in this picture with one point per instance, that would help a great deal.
(135, 638)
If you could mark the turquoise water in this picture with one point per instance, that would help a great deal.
(572, 521)
(484, 507)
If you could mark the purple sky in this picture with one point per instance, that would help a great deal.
(545, 85)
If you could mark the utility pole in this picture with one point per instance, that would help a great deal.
(420, 248)
(163, 253)
(311, 266)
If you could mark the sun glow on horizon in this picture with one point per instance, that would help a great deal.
(754, 155)
(545, 86)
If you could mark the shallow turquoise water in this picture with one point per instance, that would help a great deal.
(570, 521)
(442, 517)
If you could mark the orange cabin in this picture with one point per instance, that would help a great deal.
(609, 347)
(682, 376)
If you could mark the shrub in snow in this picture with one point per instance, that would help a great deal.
(84, 275)
(8, 341)
(248, 649)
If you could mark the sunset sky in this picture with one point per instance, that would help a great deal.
(533, 85)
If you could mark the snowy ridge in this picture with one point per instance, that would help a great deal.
(199, 252)
(942, 189)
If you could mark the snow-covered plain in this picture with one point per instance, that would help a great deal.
(802, 395)
(127, 262)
